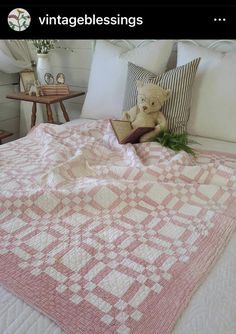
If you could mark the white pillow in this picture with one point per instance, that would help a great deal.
(213, 110)
(107, 79)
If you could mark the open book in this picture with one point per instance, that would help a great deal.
(126, 134)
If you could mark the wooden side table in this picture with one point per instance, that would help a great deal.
(4, 134)
(47, 100)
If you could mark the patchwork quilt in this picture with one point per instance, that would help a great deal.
(110, 238)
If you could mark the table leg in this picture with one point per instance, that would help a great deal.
(49, 113)
(33, 116)
(64, 112)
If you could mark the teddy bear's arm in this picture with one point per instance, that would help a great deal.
(161, 120)
(161, 125)
(130, 115)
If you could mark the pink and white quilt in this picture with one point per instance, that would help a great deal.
(110, 238)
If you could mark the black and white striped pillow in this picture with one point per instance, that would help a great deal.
(179, 80)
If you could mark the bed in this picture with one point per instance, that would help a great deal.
(212, 306)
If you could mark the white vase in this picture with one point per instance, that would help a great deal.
(43, 66)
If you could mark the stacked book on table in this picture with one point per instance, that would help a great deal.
(59, 89)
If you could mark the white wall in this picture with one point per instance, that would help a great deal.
(9, 109)
(75, 64)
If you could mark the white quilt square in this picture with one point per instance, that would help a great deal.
(172, 231)
(147, 253)
(13, 225)
(76, 258)
(116, 283)
(40, 241)
(109, 234)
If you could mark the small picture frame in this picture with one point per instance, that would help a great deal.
(60, 78)
(49, 79)
(28, 79)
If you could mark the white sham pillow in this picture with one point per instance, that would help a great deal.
(107, 79)
(213, 109)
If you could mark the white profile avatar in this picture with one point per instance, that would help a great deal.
(19, 19)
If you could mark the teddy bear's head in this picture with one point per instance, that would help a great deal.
(151, 97)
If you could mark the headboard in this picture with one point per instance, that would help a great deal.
(220, 45)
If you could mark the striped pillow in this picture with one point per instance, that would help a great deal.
(179, 80)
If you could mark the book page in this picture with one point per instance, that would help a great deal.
(121, 128)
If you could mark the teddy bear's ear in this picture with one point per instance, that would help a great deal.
(139, 84)
(167, 93)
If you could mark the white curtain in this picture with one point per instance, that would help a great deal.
(15, 55)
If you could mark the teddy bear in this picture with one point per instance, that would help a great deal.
(147, 112)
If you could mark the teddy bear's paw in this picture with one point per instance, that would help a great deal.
(145, 138)
(126, 116)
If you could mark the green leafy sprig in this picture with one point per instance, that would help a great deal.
(44, 46)
(176, 142)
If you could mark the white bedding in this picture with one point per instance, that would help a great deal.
(212, 310)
